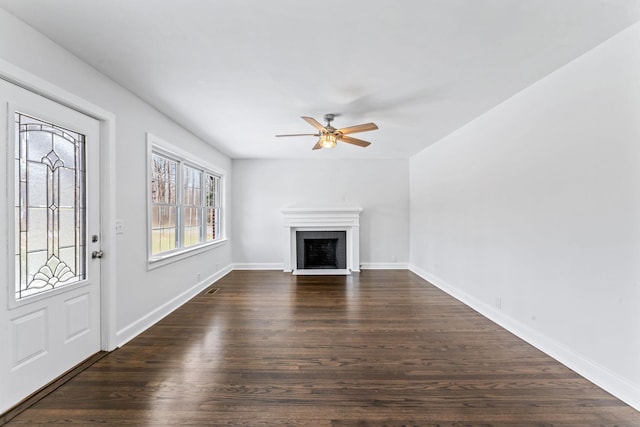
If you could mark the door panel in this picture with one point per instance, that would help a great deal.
(50, 301)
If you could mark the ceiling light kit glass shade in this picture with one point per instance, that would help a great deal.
(327, 140)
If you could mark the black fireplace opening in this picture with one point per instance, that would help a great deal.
(320, 253)
(321, 250)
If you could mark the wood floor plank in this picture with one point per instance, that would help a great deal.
(379, 348)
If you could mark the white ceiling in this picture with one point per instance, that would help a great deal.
(237, 72)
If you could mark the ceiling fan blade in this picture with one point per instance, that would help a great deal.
(354, 141)
(313, 122)
(318, 145)
(300, 134)
(358, 128)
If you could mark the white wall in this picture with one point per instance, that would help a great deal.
(535, 208)
(261, 188)
(142, 296)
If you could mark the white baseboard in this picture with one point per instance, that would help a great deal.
(258, 266)
(384, 266)
(139, 326)
(623, 389)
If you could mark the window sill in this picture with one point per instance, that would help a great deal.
(162, 260)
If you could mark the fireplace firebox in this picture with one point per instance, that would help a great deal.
(321, 250)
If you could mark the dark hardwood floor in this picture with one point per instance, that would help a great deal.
(379, 348)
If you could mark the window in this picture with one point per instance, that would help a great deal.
(185, 203)
(50, 206)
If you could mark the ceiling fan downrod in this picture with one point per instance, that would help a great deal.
(329, 118)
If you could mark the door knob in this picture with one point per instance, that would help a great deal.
(96, 254)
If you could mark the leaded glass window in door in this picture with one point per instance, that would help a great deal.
(50, 223)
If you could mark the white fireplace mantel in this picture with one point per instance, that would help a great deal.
(322, 219)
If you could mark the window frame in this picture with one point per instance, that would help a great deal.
(165, 149)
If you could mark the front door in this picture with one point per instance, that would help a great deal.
(49, 227)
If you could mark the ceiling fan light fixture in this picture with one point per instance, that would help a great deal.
(327, 140)
(329, 136)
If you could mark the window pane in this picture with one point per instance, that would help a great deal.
(192, 226)
(167, 239)
(192, 185)
(65, 149)
(191, 236)
(40, 143)
(192, 217)
(38, 185)
(155, 242)
(67, 183)
(163, 240)
(210, 190)
(67, 220)
(37, 236)
(163, 179)
(163, 229)
(169, 216)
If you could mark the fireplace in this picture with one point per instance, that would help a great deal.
(321, 250)
(322, 240)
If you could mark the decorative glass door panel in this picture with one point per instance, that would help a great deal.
(50, 206)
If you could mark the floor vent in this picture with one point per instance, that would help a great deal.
(213, 290)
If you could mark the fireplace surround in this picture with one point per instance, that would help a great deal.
(341, 219)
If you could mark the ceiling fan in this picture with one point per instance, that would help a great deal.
(330, 135)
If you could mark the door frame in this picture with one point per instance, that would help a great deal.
(107, 120)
